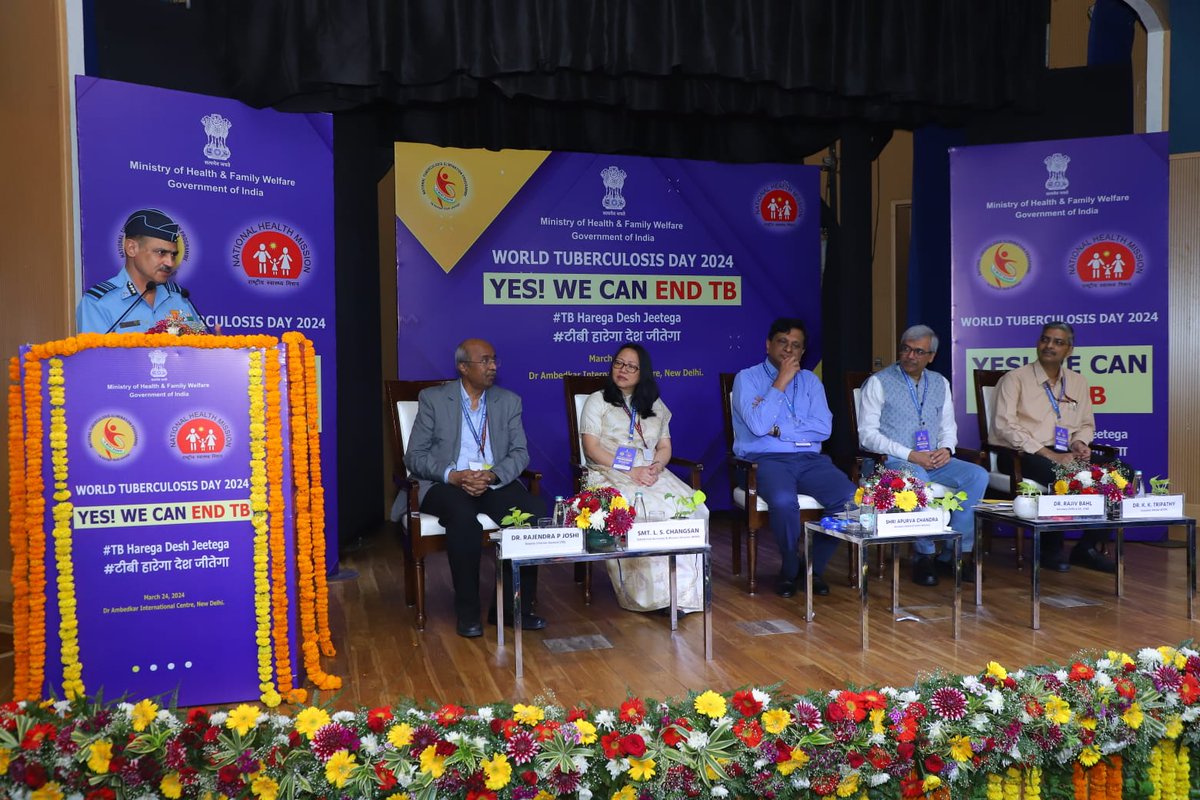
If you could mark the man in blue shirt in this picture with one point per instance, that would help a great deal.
(151, 247)
(780, 418)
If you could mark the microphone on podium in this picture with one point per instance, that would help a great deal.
(186, 295)
(150, 285)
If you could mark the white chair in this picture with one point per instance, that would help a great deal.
(420, 534)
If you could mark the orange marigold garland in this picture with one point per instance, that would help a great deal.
(275, 515)
(318, 502)
(310, 545)
(258, 508)
(17, 537)
(34, 566)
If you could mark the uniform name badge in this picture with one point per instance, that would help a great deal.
(623, 461)
(1062, 439)
(921, 439)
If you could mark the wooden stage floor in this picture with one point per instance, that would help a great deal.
(382, 657)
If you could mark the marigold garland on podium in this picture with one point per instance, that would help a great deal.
(167, 518)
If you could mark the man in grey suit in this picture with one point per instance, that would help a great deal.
(467, 447)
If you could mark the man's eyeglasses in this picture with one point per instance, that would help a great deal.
(788, 344)
(625, 366)
(487, 361)
(916, 351)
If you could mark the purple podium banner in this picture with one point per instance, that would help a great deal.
(158, 449)
(252, 191)
(558, 258)
(1072, 230)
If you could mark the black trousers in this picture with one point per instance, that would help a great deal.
(1041, 469)
(457, 511)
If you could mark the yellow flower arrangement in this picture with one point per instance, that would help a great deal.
(100, 755)
(776, 720)
(143, 714)
(497, 772)
(339, 766)
(171, 786)
(311, 720)
(710, 704)
(242, 719)
(641, 769)
(431, 763)
(528, 715)
(400, 735)
(277, 539)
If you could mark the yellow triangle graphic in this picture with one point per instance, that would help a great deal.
(448, 196)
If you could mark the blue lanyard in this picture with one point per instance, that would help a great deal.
(1062, 390)
(791, 402)
(912, 392)
(479, 440)
(634, 425)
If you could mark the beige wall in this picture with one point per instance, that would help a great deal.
(35, 159)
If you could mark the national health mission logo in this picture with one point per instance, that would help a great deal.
(778, 205)
(112, 437)
(444, 186)
(1105, 261)
(201, 435)
(1003, 265)
(272, 253)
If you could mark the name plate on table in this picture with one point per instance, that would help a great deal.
(907, 523)
(524, 542)
(1164, 506)
(1070, 505)
(667, 535)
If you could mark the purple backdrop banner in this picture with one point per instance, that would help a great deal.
(252, 191)
(557, 258)
(162, 542)
(1073, 230)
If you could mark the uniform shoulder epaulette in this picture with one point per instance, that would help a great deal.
(100, 289)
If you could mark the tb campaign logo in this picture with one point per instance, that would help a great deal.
(112, 437)
(1003, 265)
(201, 435)
(779, 205)
(272, 253)
(444, 186)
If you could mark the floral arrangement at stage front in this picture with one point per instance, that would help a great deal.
(1111, 725)
(603, 514)
(893, 490)
(175, 325)
(1113, 480)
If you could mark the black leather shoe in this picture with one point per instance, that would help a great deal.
(1092, 559)
(529, 621)
(820, 587)
(1056, 562)
(924, 573)
(785, 588)
(945, 567)
(469, 630)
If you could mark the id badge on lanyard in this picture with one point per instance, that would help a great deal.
(921, 440)
(627, 454)
(1062, 437)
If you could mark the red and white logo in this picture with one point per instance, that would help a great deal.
(272, 254)
(200, 435)
(779, 205)
(1106, 262)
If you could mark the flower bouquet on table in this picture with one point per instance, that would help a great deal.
(892, 490)
(1113, 480)
(175, 325)
(604, 515)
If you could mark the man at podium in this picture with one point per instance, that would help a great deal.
(142, 292)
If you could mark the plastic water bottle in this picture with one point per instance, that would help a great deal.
(1138, 485)
(560, 511)
(639, 506)
(866, 514)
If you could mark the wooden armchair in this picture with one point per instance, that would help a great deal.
(420, 534)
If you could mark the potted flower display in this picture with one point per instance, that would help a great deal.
(1025, 504)
(948, 503)
(685, 506)
(605, 517)
(516, 518)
